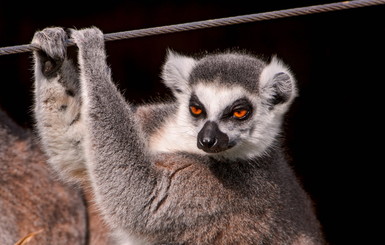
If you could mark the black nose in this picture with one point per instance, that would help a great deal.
(211, 139)
(208, 141)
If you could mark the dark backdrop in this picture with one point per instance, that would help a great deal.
(333, 129)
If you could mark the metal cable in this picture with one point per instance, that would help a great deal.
(214, 23)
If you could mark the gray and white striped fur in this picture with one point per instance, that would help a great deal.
(161, 174)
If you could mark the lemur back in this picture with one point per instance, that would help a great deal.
(32, 201)
(207, 168)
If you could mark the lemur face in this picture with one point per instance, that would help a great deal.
(230, 105)
(224, 116)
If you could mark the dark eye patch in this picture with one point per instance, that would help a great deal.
(195, 102)
(238, 105)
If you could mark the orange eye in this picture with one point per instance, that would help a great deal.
(240, 113)
(195, 110)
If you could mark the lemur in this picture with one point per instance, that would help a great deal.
(206, 168)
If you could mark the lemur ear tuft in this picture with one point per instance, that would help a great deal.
(176, 72)
(277, 84)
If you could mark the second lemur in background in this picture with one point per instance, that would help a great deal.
(207, 168)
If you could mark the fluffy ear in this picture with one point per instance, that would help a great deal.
(277, 84)
(176, 72)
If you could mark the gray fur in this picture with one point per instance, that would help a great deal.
(57, 92)
(230, 68)
(152, 117)
(151, 183)
(31, 199)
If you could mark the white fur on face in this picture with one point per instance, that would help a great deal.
(216, 98)
(179, 133)
(257, 134)
(260, 131)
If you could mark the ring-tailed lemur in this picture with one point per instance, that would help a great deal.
(207, 168)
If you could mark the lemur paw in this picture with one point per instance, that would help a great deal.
(90, 38)
(52, 42)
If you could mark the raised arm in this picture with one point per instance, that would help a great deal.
(57, 105)
(117, 157)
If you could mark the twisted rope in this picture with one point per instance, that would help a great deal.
(214, 23)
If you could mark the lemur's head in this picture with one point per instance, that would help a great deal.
(232, 103)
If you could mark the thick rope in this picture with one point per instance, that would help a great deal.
(213, 23)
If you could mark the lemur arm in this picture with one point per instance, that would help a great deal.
(57, 105)
(87, 129)
(118, 161)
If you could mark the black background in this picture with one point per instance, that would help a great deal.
(333, 129)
